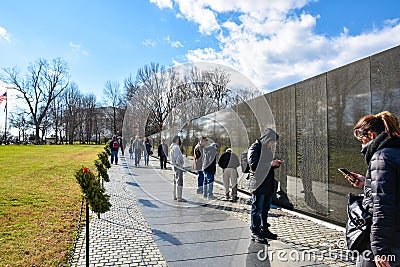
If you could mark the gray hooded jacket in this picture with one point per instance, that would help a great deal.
(260, 157)
(210, 158)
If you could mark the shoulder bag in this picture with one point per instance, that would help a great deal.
(358, 227)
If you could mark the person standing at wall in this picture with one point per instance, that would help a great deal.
(114, 146)
(177, 161)
(262, 184)
(209, 169)
(380, 141)
(147, 151)
(198, 163)
(162, 152)
(229, 162)
(138, 149)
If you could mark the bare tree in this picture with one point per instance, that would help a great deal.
(19, 121)
(113, 98)
(89, 115)
(154, 95)
(73, 101)
(239, 95)
(219, 81)
(43, 83)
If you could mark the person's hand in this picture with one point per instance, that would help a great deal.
(276, 163)
(381, 261)
(359, 182)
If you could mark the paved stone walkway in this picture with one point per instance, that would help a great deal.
(145, 227)
(122, 236)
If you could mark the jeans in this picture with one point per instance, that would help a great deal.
(260, 205)
(208, 184)
(114, 155)
(200, 181)
(146, 159)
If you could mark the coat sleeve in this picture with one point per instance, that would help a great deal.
(383, 186)
(253, 156)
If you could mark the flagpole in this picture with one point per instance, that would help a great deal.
(5, 124)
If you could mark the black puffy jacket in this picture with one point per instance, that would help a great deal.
(382, 193)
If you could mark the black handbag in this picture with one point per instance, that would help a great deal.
(358, 227)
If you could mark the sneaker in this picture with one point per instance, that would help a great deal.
(182, 200)
(227, 197)
(259, 239)
(234, 199)
(269, 235)
(253, 236)
(200, 192)
(212, 197)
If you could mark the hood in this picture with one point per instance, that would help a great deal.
(268, 135)
(214, 145)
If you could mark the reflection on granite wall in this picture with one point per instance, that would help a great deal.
(314, 119)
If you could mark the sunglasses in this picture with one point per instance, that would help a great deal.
(360, 133)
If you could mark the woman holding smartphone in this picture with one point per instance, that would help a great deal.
(380, 138)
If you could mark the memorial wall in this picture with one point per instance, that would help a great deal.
(314, 119)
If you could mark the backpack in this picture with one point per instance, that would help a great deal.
(115, 145)
(244, 163)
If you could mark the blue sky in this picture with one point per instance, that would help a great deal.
(273, 43)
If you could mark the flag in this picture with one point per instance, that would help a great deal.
(3, 97)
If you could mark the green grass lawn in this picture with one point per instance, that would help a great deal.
(39, 202)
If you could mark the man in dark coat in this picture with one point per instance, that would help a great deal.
(229, 162)
(262, 184)
(162, 152)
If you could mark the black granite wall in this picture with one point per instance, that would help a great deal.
(314, 119)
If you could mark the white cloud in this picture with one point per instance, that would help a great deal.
(162, 3)
(274, 42)
(149, 43)
(77, 48)
(4, 35)
(198, 12)
(176, 44)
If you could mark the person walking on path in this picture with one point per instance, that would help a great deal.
(262, 184)
(130, 150)
(229, 162)
(147, 151)
(209, 169)
(138, 149)
(121, 145)
(177, 161)
(114, 146)
(380, 141)
(162, 152)
(198, 163)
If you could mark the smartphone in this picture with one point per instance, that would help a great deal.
(344, 171)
